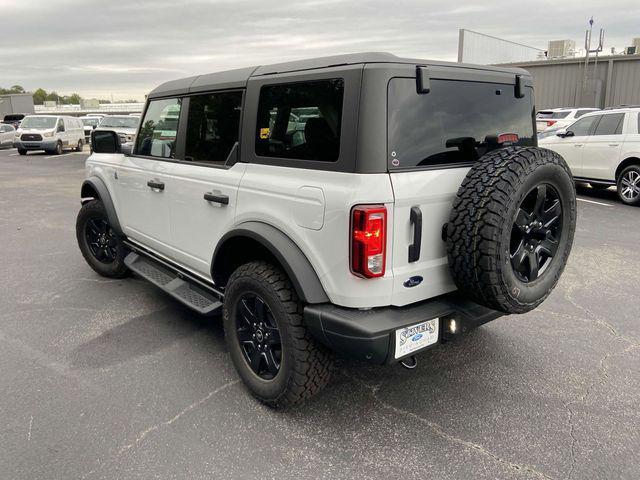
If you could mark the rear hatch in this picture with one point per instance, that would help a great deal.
(433, 139)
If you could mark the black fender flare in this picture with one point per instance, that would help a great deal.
(285, 251)
(97, 185)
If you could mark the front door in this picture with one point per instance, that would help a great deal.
(571, 147)
(602, 150)
(143, 183)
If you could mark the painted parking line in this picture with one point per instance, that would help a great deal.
(594, 202)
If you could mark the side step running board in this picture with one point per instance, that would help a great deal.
(188, 292)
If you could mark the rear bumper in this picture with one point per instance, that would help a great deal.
(369, 335)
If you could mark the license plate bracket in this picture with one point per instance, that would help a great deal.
(413, 338)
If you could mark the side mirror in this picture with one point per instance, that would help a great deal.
(105, 141)
(564, 133)
(94, 126)
(60, 128)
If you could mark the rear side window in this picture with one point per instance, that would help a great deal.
(300, 120)
(212, 126)
(584, 126)
(456, 122)
(610, 124)
(159, 128)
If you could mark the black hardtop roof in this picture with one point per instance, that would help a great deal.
(238, 78)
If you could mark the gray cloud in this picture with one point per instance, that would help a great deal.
(126, 48)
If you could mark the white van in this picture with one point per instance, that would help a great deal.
(51, 133)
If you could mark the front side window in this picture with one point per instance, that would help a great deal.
(610, 124)
(159, 129)
(213, 125)
(455, 123)
(584, 126)
(300, 120)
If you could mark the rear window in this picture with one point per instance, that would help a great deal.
(456, 122)
(553, 115)
(300, 120)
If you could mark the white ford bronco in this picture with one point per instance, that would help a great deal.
(365, 205)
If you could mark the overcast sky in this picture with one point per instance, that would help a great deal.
(126, 47)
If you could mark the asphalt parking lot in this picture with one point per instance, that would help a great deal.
(112, 379)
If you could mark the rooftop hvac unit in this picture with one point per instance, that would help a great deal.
(561, 48)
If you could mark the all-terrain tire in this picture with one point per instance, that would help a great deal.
(479, 233)
(305, 365)
(95, 212)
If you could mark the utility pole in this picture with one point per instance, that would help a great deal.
(588, 50)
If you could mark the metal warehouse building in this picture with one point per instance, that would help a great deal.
(614, 81)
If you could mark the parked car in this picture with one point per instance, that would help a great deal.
(13, 119)
(7, 134)
(414, 207)
(89, 124)
(559, 117)
(124, 125)
(603, 149)
(50, 133)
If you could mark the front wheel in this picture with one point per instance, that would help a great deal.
(101, 246)
(22, 151)
(629, 185)
(274, 354)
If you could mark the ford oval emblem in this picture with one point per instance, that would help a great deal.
(416, 337)
(413, 281)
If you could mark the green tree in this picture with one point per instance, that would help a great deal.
(17, 89)
(74, 98)
(53, 97)
(39, 96)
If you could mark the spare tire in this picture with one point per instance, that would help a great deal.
(511, 229)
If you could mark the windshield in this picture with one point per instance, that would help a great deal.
(40, 123)
(123, 122)
(456, 122)
(90, 122)
(553, 115)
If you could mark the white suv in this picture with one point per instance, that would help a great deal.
(603, 149)
(365, 204)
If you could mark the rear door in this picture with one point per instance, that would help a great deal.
(601, 152)
(204, 185)
(433, 139)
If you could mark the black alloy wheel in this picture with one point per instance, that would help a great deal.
(102, 240)
(536, 233)
(259, 336)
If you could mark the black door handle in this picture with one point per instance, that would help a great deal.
(156, 185)
(212, 197)
(415, 218)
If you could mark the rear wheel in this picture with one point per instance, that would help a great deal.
(79, 147)
(629, 185)
(511, 229)
(274, 354)
(101, 247)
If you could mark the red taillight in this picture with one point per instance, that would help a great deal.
(368, 240)
(550, 122)
(508, 138)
